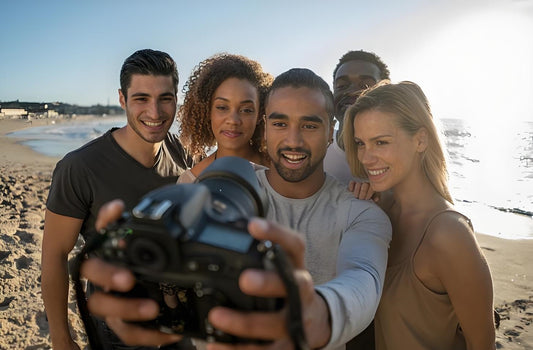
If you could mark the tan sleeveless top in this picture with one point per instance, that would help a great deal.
(410, 316)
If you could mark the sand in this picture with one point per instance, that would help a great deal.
(24, 182)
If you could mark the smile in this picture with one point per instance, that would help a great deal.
(152, 124)
(294, 158)
(376, 172)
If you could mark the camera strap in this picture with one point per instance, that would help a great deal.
(295, 321)
(90, 328)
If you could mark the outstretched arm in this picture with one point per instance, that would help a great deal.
(353, 295)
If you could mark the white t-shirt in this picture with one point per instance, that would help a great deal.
(336, 165)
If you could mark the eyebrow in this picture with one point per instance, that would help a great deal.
(144, 94)
(312, 118)
(375, 137)
(140, 94)
(277, 116)
(167, 94)
(308, 118)
(227, 100)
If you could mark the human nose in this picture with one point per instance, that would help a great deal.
(234, 118)
(366, 156)
(293, 137)
(152, 109)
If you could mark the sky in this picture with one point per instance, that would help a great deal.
(474, 59)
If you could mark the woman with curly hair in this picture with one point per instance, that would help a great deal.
(224, 102)
(438, 288)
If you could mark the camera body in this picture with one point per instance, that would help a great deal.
(193, 240)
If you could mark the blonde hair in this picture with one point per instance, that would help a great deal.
(408, 103)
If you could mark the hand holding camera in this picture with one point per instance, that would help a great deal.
(196, 238)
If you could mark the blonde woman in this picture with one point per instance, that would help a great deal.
(438, 287)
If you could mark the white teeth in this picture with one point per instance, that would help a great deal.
(152, 123)
(293, 157)
(376, 172)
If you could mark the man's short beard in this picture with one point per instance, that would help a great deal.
(295, 175)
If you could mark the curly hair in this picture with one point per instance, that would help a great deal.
(195, 114)
(369, 57)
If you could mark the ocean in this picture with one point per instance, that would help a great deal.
(491, 174)
(490, 166)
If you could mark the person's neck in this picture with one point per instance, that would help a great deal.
(140, 150)
(247, 153)
(415, 195)
(296, 190)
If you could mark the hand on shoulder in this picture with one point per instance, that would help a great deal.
(363, 190)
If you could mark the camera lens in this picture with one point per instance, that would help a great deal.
(148, 254)
(232, 182)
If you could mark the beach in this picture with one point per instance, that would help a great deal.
(25, 179)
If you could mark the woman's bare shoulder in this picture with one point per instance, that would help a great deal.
(450, 232)
(204, 163)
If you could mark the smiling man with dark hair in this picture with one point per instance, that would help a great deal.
(356, 71)
(125, 162)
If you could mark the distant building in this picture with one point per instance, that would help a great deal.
(52, 114)
(13, 109)
(13, 112)
(16, 109)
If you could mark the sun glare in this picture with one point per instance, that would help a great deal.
(480, 67)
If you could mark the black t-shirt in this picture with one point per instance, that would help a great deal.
(101, 171)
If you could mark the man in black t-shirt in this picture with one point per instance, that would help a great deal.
(124, 163)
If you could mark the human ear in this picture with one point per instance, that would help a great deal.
(421, 139)
(122, 99)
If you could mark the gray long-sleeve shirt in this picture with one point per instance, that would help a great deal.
(347, 243)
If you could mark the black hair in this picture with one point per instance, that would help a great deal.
(303, 77)
(147, 62)
(367, 57)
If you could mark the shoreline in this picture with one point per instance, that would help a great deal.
(14, 151)
(25, 179)
(8, 125)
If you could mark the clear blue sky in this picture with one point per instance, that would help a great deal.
(471, 57)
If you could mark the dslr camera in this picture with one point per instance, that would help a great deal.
(192, 239)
